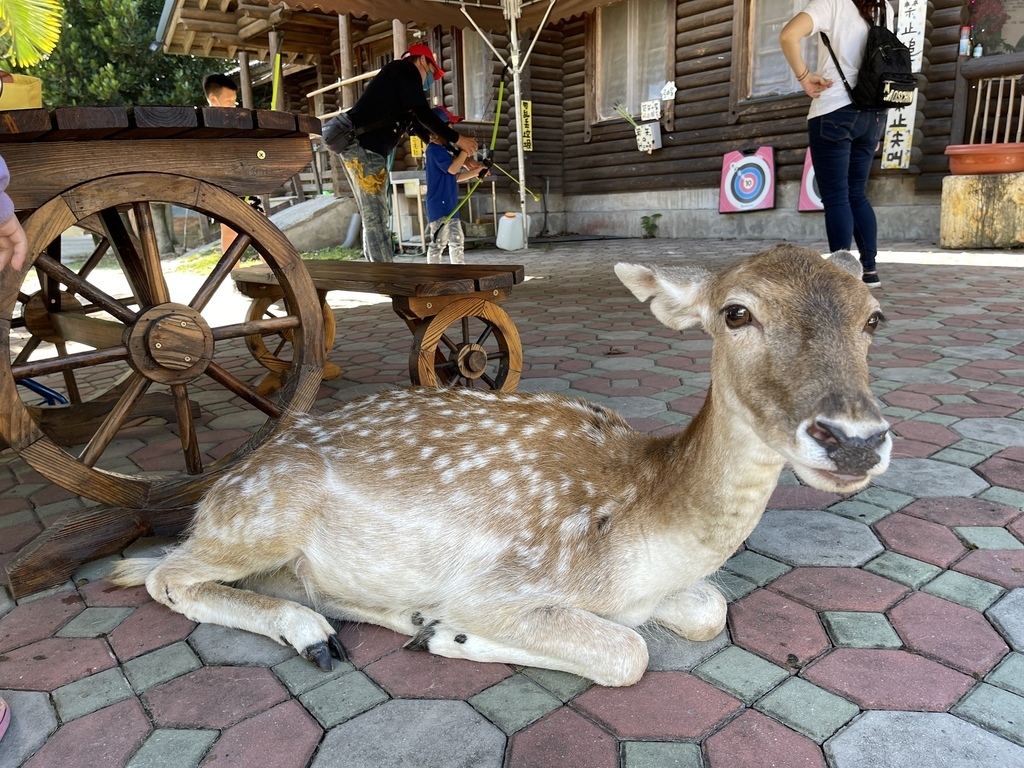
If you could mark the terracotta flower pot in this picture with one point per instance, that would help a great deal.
(966, 159)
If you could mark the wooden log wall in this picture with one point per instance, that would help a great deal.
(939, 69)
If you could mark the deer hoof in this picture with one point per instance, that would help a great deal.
(336, 648)
(319, 654)
(421, 640)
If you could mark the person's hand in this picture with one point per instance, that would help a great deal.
(467, 145)
(814, 85)
(13, 244)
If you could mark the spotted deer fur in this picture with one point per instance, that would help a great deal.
(535, 529)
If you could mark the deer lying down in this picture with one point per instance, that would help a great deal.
(535, 529)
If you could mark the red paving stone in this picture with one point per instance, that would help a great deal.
(1004, 567)
(103, 593)
(663, 705)
(365, 643)
(417, 675)
(893, 680)
(150, 626)
(800, 497)
(955, 635)
(38, 619)
(958, 511)
(925, 432)
(1002, 471)
(777, 628)
(753, 740)
(17, 536)
(284, 736)
(1017, 528)
(49, 664)
(563, 739)
(920, 539)
(107, 738)
(214, 697)
(839, 589)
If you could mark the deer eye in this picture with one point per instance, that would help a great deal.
(876, 321)
(736, 316)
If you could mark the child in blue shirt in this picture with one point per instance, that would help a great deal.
(444, 172)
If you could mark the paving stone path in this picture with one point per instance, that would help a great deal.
(875, 630)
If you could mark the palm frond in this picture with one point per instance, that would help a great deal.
(29, 29)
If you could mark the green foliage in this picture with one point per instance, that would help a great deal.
(650, 224)
(103, 58)
(29, 29)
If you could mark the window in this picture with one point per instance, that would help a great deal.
(635, 49)
(478, 82)
(770, 75)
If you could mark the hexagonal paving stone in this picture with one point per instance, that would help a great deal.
(884, 679)
(777, 628)
(857, 629)
(107, 737)
(1003, 471)
(839, 589)
(672, 705)
(214, 697)
(366, 643)
(412, 674)
(514, 703)
(927, 477)
(957, 636)
(37, 620)
(920, 539)
(1008, 617)
(937, 740)
(997, 566)
(284, 737)
(753, 740)
(668, 651)
(27, 731)
(956, 511)
(998, 431)
(427, 734)
(49, 664)
(150, 626)
(224, 646)
(801, 537)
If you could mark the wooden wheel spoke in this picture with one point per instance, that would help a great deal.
(26, 352)
(220, 273)
(465, 330)
(156, 283)
(34, 368)
(243, 390)
(78, 285)
(124, 245)
(485, 334)
(112, 423)
(187, 430)
(448, 342)
(267, 327)
(70, 382)
(95, 258)
(23, 298)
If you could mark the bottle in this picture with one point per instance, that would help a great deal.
(965, 41)
(978, 51)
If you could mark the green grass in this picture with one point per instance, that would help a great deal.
(202, 262)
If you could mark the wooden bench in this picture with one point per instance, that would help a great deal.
(461, 337)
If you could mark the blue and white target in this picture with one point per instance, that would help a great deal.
(748, 183)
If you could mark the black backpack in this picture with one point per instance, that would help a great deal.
(884, 79)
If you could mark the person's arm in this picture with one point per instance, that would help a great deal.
(13, 242)
(790, 40)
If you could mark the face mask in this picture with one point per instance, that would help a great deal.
(429, 81)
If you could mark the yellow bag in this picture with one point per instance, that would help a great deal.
(26, 92)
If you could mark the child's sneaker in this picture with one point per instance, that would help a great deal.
(871, 280)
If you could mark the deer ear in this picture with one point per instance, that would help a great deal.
(847, 262)
(674, 294)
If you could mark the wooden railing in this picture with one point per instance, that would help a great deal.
(988, 104)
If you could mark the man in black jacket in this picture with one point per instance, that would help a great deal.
(394, 103)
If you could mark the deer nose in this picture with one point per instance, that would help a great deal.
(852, 454)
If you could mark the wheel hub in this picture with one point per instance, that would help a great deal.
(472, 361)
(170, 343)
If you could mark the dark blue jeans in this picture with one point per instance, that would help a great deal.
(842, 146)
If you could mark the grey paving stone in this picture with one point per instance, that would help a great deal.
(920, 375)
(883, 497)
(802, 537)
(958, 457)
(224, 646)
(741, 673)
(6, 601)
(161, 665)
(757, 568)
(853, 629)
(808, 709)
(300, 676)
(906, 570)
(514, 703)
(965, 590)
(995, 709)
(861, 511)
(1009, 675)
(999, 431)
(731, 586)
(166, 747)
(1008, 618)
(94, 622)
(927, 478)
(919, 740)
(151, 546)
(32, 722)
(342, 699)
(976, 446)
(631, 407)
(661, 754)
(1007, 496)
(668, 651)
(425, 734)
(91, 693)
(564, 685)
(988, 537)
(94, 570)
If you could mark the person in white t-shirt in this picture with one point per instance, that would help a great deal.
(842, 137)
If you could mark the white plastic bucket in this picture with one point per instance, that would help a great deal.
(510, 232)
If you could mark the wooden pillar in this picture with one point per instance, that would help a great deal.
(245, 79)
(345, 54)
(275, 48)
(400, 35)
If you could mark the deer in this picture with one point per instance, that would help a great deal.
(535, 529)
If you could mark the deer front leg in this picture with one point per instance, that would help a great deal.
(696, 613)
(565, 639)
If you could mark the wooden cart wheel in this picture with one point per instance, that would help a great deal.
(168, 350)
(469, 343)
(278, 361)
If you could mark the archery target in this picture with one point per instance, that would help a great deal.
(748, 181)
(810, 197)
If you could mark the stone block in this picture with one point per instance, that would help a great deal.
(982, 211)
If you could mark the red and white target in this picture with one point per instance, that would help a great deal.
(748, 181)
(810, 197)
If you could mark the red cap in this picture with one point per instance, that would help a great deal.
(421, 50)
